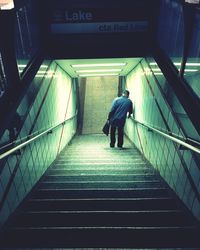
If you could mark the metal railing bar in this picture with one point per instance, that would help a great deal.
(35, 137)
(193, 141)
(171, 137)
(17, 141)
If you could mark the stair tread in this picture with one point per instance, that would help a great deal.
(100, 197)
(104, 238)
(148, 228)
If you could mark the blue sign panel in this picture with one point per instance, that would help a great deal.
(104, 27)
(98, 21)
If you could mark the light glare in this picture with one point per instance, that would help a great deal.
(178, 64)
(97, 65)
(99, 74)
(97, 70)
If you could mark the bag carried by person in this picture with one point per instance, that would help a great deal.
(106, 128)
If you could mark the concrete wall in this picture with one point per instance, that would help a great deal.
(99, 94)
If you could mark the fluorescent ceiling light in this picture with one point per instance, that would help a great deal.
(98, 70)
(24, 65)
(43, 71)
(187, 64)
(179, 64)
(186, 70)
(99, 74)
(192, 64)
(97, 65)
(191, 70)
(44, 66)
(40, 71)
(156, 69)
(153, 63)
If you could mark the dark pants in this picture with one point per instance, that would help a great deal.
(120, 139)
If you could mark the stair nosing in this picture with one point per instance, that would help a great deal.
(68, 175)
(70, 182)
(99, 189)
(103, 199)
(115, 228)
(104, 211)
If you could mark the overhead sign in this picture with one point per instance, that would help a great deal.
(99, 15)
(97, 21)
(78, 16)
(103, 27)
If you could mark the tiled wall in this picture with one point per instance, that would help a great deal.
(176, 106)
(50, 100)
(165, 155)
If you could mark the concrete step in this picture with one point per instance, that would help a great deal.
(102, 166)
(92, 170)
(111, 237)
(101, 218)
(103, 177)
(99, 184)
(100, 193)
(100, 204)
(97, 197)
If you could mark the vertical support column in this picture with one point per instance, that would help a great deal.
(2, 78)
(121, 85)
(7, 47)
(81, 97)
(188, 19)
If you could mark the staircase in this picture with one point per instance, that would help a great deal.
(97, 197)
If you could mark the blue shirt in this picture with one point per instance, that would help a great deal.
(120, 107)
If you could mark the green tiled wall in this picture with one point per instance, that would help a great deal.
(151, 108)
(50, 100)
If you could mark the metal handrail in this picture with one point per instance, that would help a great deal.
(35, 137)
(171, 137)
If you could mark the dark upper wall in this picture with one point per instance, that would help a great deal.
(87, 29)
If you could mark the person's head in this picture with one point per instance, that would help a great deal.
(126, 93)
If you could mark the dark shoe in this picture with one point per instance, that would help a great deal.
(112, 146)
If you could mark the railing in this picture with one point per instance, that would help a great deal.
(182, 142)
(175, 138)
(30, 138)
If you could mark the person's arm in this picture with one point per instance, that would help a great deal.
(130, 110)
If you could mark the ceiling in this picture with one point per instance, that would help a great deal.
(98, 67)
